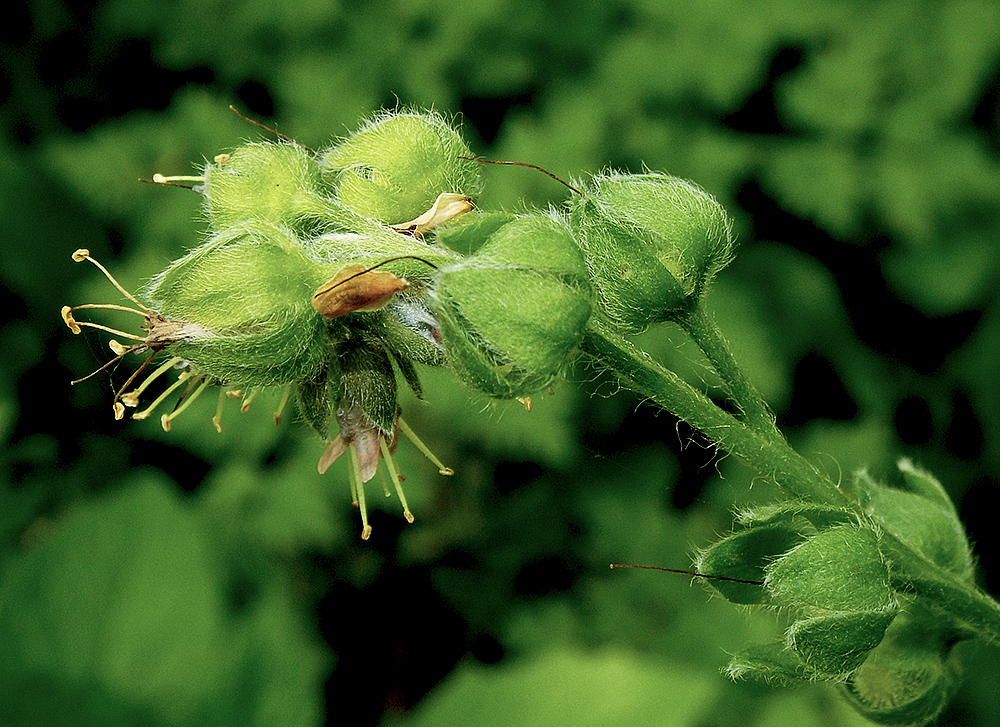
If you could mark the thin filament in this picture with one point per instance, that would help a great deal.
(186, 402)
(411, 435)
(359, 492)
(394, 476)
(132, 398)
(185, 375)
(113, 281)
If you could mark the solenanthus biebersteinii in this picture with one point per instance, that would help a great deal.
(327, 273)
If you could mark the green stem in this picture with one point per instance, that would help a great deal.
(767, 452)
(704, 332)
(960, 602)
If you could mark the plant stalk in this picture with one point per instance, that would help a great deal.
(765, 451)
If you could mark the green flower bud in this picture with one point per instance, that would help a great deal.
(394, 168)
(922, 516)
(744, 556)
(652, 242)
(248, 290)
(839, 580)
(273, 182)
(909, 678)
(511, 314)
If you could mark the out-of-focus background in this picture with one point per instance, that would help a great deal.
(196, 578)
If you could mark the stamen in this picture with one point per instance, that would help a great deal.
(217, 419)
(358, 490)
(167, 418)
(117, 349)
(245, 406)
(185, 375)
(281, 405)
(132, 398)
(112, 306)
(113, 361)
(394, 476)
(99, 327)
(84, 254)
(526, 402)
(130, 379)
(411, 435)
(160, 179)
(384, 483)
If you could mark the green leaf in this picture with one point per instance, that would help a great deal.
(570, 686)
(121, 602)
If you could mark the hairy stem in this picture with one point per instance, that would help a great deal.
(704, 332)
(765, 451)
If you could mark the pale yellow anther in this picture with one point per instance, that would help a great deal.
(67, 316)
(119, 411)
(161, 179)
(117, 348)
(221, 158)
(245, 406)
(217, 419)
(525, 401)
(81, 255)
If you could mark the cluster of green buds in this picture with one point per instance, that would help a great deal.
(856, 615)
(332, 274)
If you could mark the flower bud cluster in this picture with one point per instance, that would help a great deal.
(331, 273)
(857, 618)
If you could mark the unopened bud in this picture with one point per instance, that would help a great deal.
(511, 313)
(394, 168)
(653, 243)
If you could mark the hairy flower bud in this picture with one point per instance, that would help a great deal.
(909, 678)
(511, 313)
(272, 182)
(652, 242)
(397, 165)
(249, 290)
(922, 516)
(839, 581)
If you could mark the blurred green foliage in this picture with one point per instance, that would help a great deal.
(191, 578)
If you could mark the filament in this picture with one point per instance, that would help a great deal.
(411, 435)
(394, 476)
